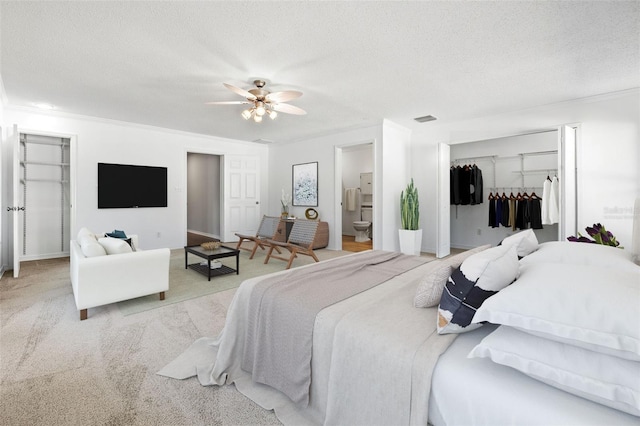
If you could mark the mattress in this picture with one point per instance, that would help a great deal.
(476, 391)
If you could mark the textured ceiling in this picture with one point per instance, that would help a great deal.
(157, 63)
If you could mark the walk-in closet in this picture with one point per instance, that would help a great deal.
(498, 187)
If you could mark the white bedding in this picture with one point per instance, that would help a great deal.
(371, 364)
(476, 391)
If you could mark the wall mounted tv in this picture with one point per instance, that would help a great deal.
(130, 186)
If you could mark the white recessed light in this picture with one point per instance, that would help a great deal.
(43, 105)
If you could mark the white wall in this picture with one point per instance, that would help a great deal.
(469, 223)
(118, 142)
(395, 155)
(608, 157)
(322, 149)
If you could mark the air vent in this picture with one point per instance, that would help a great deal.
(263, 141)
(425, 118)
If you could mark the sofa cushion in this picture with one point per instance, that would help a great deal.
(90, 247)
(115, 245)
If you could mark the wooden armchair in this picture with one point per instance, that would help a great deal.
(266, 231)
(301, 238)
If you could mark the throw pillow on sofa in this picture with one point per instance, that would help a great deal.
(90, 246)
(120, 234)
(115, 245)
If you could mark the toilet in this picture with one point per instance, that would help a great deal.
(362, 226)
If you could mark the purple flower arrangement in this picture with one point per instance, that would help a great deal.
(599, 234)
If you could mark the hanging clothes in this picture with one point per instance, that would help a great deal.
(455, 184)
(544, 208)
(554, 206)
(492, 211)
(535, 216)
(521, 208)
(451, 187)
(506, 211)
(498, 217)
(472, 185)
(464, 183)
(512, 212)
(478, 184)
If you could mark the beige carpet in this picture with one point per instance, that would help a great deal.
(187, 284)
(58, 370)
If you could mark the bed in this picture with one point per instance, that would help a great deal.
(376, 358)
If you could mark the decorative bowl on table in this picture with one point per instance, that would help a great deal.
(210, 245)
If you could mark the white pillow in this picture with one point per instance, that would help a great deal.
(478, 278)
(580, 254)
(576, 304)
(525, 242)
(85, 232)
(115, 245)
(605, 379)
(431, 285)
(91, 248)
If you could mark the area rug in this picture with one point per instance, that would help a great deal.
(187, 284)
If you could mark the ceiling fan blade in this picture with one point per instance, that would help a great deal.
(288, 109)
(283, 96)
(227, 103)
(240, 91)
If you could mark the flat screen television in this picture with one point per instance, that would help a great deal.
(130, 186)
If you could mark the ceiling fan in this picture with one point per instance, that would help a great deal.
(262, 102)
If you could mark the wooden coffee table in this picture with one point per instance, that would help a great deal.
(210, 255)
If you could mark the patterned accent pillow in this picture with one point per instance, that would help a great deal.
(478, 278)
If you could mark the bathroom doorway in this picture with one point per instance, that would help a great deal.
(357, 197)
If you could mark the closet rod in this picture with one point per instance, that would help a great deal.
(479, 157)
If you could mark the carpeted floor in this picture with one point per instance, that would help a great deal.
(187, 284)
(58, 370)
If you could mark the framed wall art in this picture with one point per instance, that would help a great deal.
(305, 184)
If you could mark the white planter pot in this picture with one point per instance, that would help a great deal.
(410, 241)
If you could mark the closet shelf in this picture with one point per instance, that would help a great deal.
(44, 180)
(534, 171)
(43, 163)
(62, 144)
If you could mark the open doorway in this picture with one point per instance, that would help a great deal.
(357, 197)
(203, 198)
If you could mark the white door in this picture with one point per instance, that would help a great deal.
(242, 195)
(443, 237)
(16, 207)
(567, 176)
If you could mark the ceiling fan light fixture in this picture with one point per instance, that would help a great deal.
(272, 114)
(257, 118)
(260, 109)
(246, 114)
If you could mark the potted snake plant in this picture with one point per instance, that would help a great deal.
(410, 234)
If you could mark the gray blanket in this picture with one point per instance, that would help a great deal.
(283, 309)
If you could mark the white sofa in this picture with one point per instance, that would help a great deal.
(103, 271)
